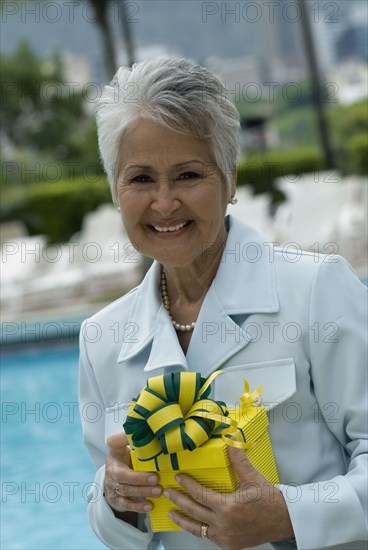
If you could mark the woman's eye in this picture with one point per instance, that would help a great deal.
(140, 178)
(188, 176)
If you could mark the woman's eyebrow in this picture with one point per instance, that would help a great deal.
(188, 162)
(134, 165)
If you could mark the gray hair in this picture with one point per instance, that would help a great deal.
(173, 92)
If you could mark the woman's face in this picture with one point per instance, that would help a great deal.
(171, 194)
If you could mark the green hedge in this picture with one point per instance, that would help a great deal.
(357, 153)
(261, 171)
(57, 209)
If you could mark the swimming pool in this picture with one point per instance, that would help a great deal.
(45, 470)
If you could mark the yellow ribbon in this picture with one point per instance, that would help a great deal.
(247, 400)
(173, 413)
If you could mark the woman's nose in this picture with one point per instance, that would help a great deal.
(165, 200)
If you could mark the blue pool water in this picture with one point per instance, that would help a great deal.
(45, 470)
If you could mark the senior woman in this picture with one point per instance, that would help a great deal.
(219, 296)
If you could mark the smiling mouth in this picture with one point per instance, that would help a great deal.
(170, 229)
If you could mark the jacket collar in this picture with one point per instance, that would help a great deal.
(245, 283)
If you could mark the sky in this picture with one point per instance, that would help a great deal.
(193, 28)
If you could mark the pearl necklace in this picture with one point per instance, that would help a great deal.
(166, 302)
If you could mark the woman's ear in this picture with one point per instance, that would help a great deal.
(233, 181)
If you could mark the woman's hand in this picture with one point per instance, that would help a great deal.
(125, 489)
(254, 514)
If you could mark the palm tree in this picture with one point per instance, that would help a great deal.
(102, 20)
(315, 77)
(127, 34)
(101, 8)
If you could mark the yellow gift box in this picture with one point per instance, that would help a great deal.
(173, 427)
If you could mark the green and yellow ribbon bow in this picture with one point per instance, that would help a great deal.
(173, 413)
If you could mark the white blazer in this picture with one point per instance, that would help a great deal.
(293, 323)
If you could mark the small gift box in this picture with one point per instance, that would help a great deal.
(172, 426)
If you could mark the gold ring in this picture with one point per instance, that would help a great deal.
(204, 531)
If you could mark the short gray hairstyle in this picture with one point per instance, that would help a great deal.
(173, 92)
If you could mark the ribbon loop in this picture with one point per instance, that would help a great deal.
(173, 413)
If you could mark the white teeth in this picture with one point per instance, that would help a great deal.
(171, 228)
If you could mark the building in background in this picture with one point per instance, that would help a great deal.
(339, 29)
(349, 81)
(353, 42)
(346, 33)
(283, 57)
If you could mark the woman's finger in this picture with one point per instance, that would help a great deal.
(125, 504)
(125, 475)
(192, 508)
(134, 491)
(193, 527)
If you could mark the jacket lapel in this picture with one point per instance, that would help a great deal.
(245, 283)
(166, 350)
(216, 337)
(153, 327)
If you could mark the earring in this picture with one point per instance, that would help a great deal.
(233, 200)
(118, 208)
